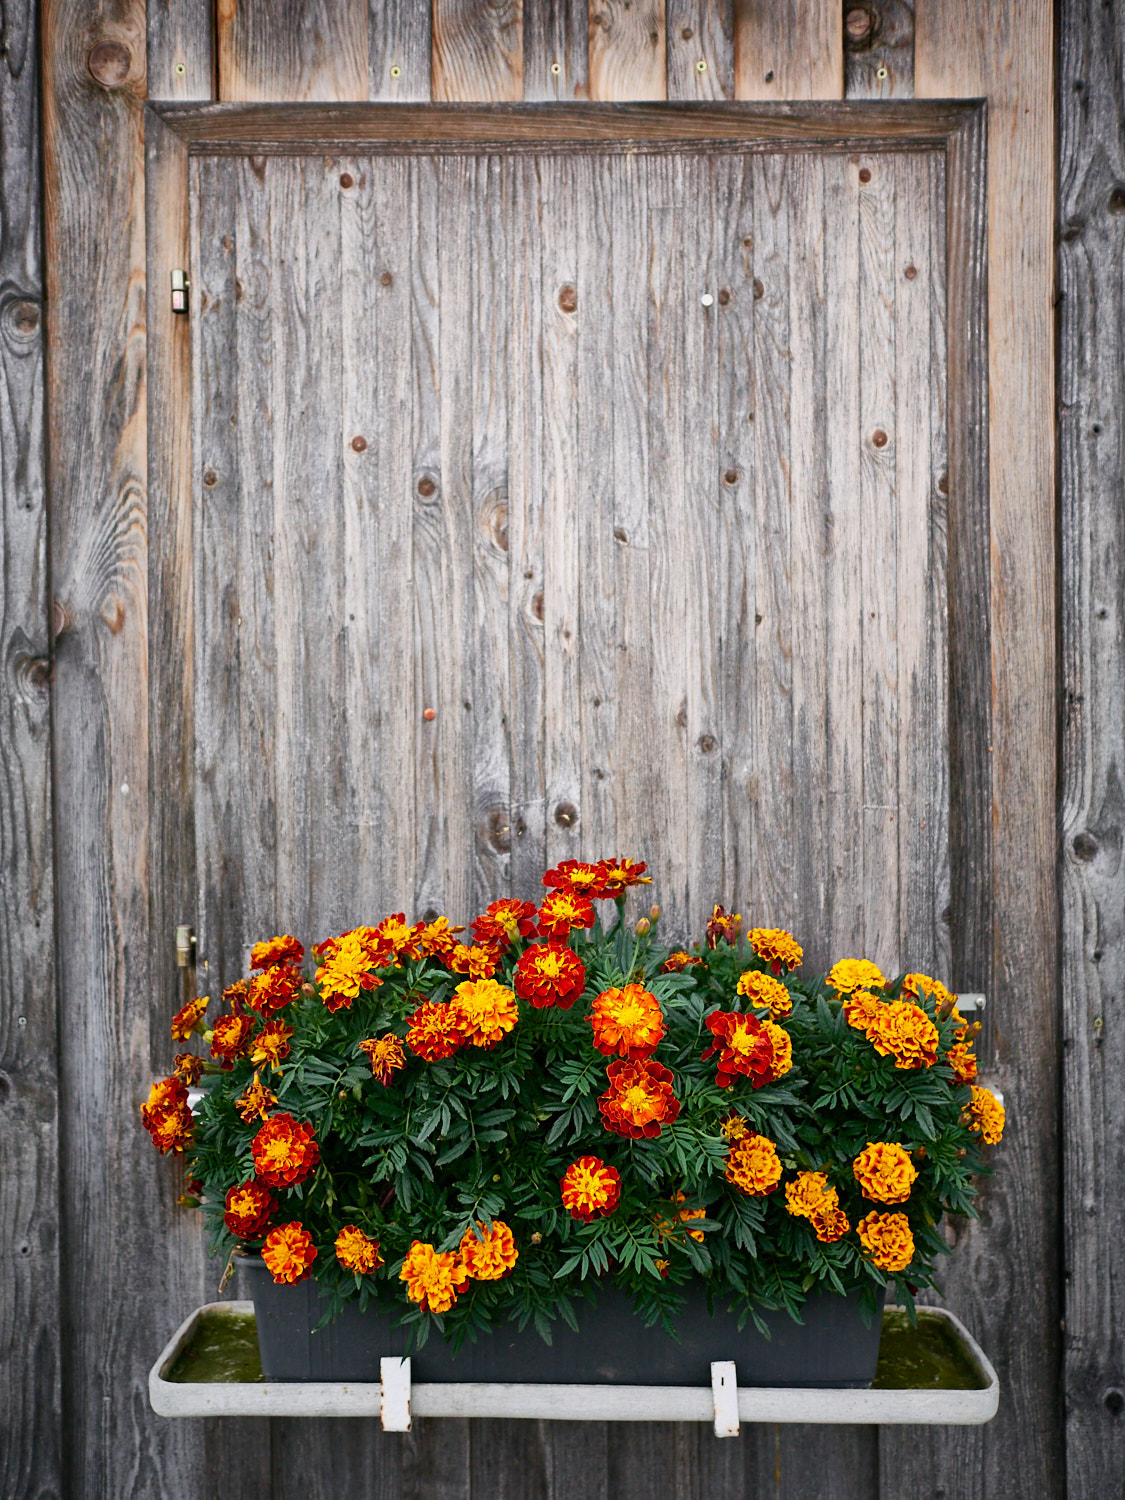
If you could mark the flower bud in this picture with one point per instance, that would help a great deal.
(644, 927)
(496, 1176)
(961, 1152)
(920, 1151)
(654, 914)
(945, 1009)
(185, 1200)
(537, 1238)
(309, 990)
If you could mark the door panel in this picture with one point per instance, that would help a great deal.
(555, 505)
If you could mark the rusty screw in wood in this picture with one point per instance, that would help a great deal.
(943, 484)
(910, 272)
(386, 279)
(865, 174)
(566, 815)
(687, 34)
(568, 298)
(347, 180)
(858, 24)
(359, 444)
(429, 713)
(426, 486)
(109, 63)
(879, 438)
(731, 477)
(619, 534)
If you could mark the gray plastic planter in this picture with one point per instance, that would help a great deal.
(831, 1349)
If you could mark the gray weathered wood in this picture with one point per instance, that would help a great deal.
(398, 50)
(555, 50)
(1091, 399)
(879, 50)
(788, 49)
(179, 61)
(31, 1455)
(292, 49)
(700, 49)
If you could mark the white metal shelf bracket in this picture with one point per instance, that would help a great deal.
(394, 1406)
(724, 1388)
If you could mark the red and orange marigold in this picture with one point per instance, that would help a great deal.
(188, 1067)
(485, 1010)
(884, 1172)
(488, 1252)
(764, 992)
(277, 950)
(395, 933)
(723, 926)
(549, 974)
(478, 962)
(678, 961)
(830, 1222)
(249, 1208)
(433, 1032)
(620, 875)
(590, 1189)
(855, 974)
(271, 1045)
(962, 1060)
(563, 911)
(386, 1056)
(256, 1102)
(753, 1165)
(744, 1046)
(229, 1036)
(808, 1192)
(285, 1151)
(349, 967)
(189, 1019)
(356, 1251)
(575, 875)
(776, 947)
(289, 1253)
(904, 1031)
(433, 1280)
(986, 1116)
(166, 1115)
(639, 1099)
(276, 988)
(505, 922)
(664, 1227)
(627, 1022)
(438, 938)
(861, 1008)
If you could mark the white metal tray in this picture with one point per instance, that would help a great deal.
(396, 1400)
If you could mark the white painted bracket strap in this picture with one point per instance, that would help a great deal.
(724, 1388)
(394, 1394)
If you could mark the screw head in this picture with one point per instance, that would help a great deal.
(701, 65)
(396, 71)
(359, 444)
(707, 299)
(880, 73)
(879, 438)
(555, 69)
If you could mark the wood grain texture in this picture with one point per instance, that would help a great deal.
(700, 49)
(1005, 54)
(556, 50)
(627, 50)
(30, 1356)
(1091, 397)
(398, 50)
(180, 48)
(788, 49)
(477, 50)
(879, 50)
(292, 49)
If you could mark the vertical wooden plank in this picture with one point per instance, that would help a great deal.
(178, 59)
(398, 51)
(291, 50)
(477, 51)
(879, 520)
(113, 1020)
(1005, 53)
(788, 49)
(555, 50)
(1091, 399)
(30, 1386)
(627, 50)
(879, 50)
(700, 49)
(314, 1460)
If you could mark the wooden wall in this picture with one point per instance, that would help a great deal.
(131, 1264)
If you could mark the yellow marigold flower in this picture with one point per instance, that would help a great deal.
(492, 1255)
(485, 1010)
(782, 1049)
(256, 1102)
(855, 974)
(809, 1192)
(884, 1172)
(734, 1128)
(438, 938)
(348, 968)
(765, 992)
(478, 961)
(432, 1280)
(753, 1166)
(356, 1251)
(904, 1031)
(962, 1060)
(590, 1189)
(887, 1240)
(386, 1056)
(187, 1020)
(987, 1116)
(861, 1008)
(776, 947)
(830, 1223)
(396, 933)
(665, 1227)
(921, 984)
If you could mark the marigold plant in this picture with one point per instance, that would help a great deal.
(477, 1124)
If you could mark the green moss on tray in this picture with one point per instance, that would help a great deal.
(928, 1358)
(223, 1349)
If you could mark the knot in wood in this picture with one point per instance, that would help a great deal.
(879, 438)
(426, 487)
(22, 317)
(865, 174)
(1085, 845)
(860, 26)
(566, 815)
(109, 63)
(359, 444)
(568, 298)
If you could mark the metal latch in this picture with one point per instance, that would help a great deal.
(180, 284)
(185, 948)
(971, 1005)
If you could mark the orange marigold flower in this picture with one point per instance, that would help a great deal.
(256, 1102)
(271, 1045)
(490, 1256)
(734, 1128)
(276, 988)
(744, 1047)
(590, 1189)
(249, 1208)
(620, 875)
(278, 950)
(166, 1115)
(229, 1036)
(235, 994)
(434, 1031)
(782, 1047)
(188, 1067)
(987, 1116)
(918, 985)
(504, 922)
(574, 875)
(396, 933)
(350, 967)
(962, 1060)
(432, 1280)
(724, 926)
(664, 1227)
(288, 1253)
(884, 1172)
(386, 1056)
(765, 993)
(754, 1166)
(830, 1223)
(549, 974)
(485, 1009)
(855, 974)
(478, 962)
(887, 1240)
(628, 1022)
(776, 947)
(808, 1192)
(861, 1008)
(356, 1251)
(189, 1019)
(437, 939)
(678, 961)
(564, 910)
(904, 1031)
(284, 1151)
(639, 1099)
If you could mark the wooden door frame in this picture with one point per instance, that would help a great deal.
(176, 132)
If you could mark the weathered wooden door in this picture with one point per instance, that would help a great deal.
(561, 502)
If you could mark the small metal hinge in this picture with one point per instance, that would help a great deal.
(180, 284)
(185, 948)
(972, 1004)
